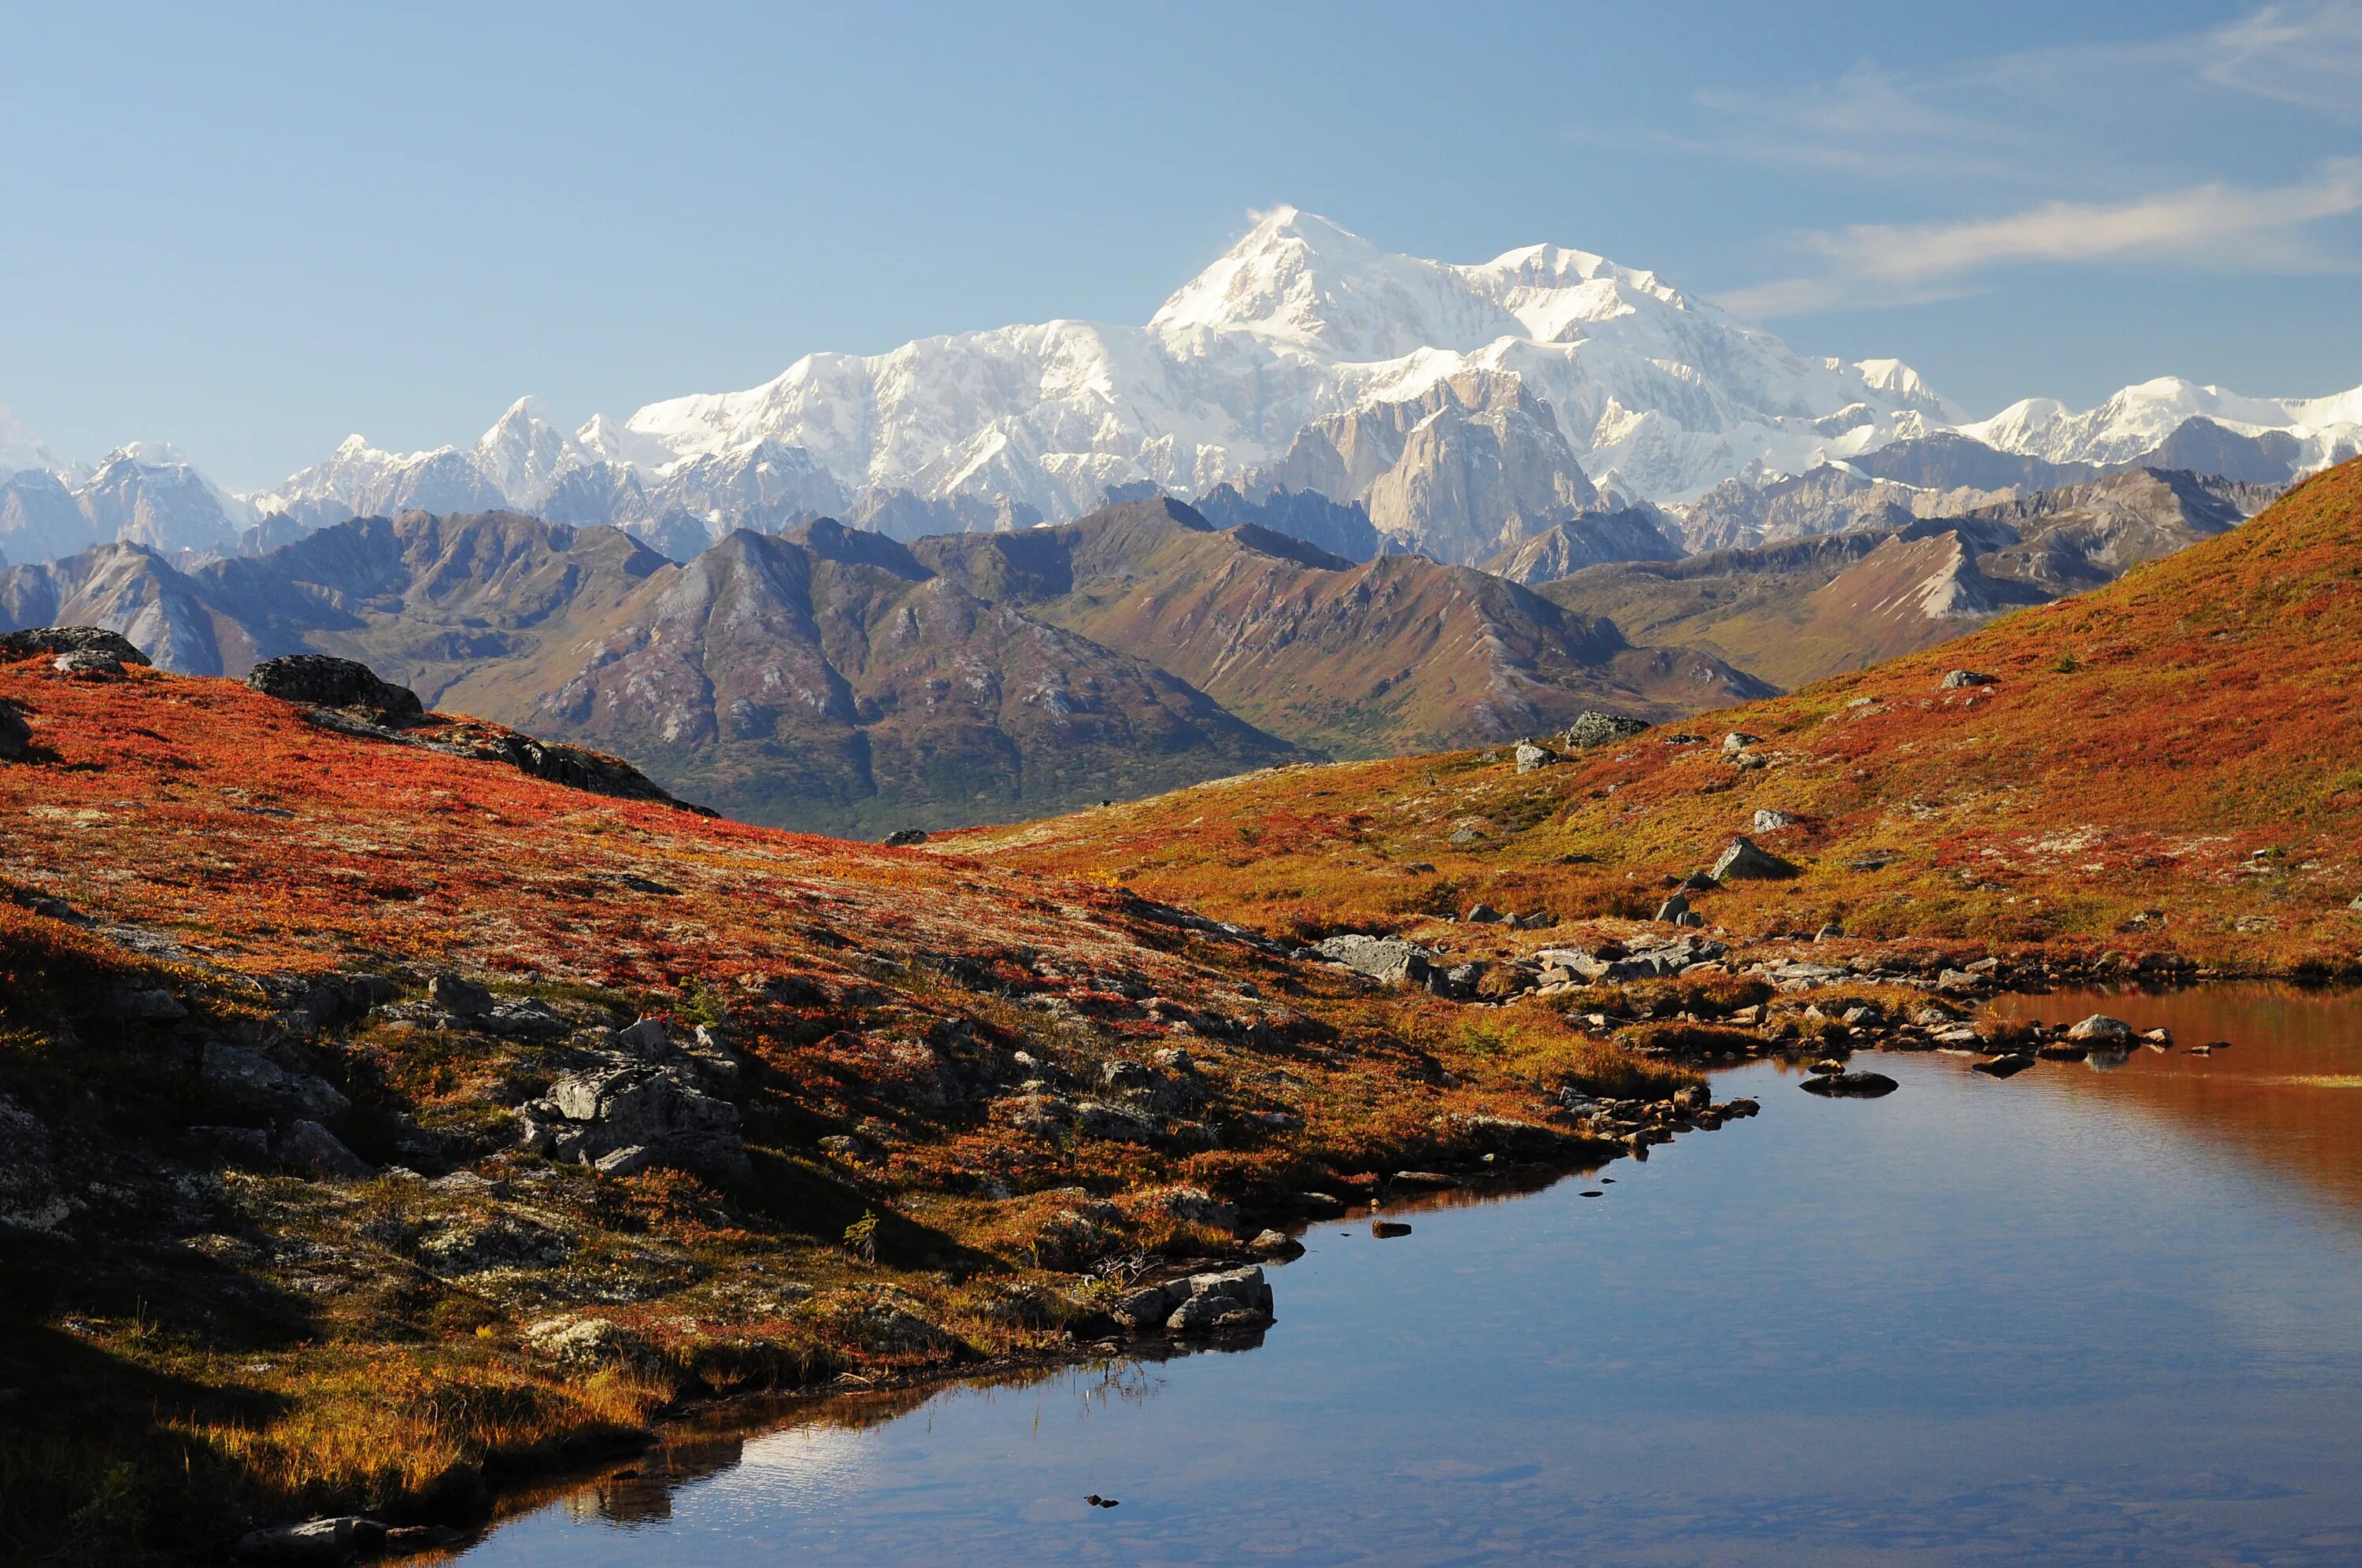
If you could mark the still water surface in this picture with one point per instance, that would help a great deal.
(2076, 1315)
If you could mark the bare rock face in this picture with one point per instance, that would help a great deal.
(15, 735)
(326, 682)
(1472, 467)
(1380, 957)
(626, 1118)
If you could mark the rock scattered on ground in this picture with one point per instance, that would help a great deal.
(1383, 958)
(1742, 859)
(1591, 728)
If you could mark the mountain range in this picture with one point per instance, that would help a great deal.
(1863, 579)
(1465, 408)
(832, 677)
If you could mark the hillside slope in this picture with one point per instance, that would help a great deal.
(822, 678)
(309, 1042)
(2167, 762)
(1806, 607)
(1391, 655)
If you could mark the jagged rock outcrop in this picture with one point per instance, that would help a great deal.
(1473, 465)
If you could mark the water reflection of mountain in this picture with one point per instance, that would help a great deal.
(2286, 1095)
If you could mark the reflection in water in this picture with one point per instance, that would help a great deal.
(2282, 1093)
(2071, 1317)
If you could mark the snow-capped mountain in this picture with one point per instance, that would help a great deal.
(1655, 394)
(144, 494)
(1465, 408)
(2140, 418)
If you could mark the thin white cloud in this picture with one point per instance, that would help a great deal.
(2076, 118)
(2308, 55)
(2213, 225)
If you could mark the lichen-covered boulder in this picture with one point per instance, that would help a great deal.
(325, 682)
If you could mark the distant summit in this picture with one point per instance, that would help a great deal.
(1465, 408)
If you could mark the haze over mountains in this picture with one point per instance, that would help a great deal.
(1466, 408)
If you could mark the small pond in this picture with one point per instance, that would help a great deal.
(2102, 1312)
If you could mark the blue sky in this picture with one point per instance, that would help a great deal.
(250, 230)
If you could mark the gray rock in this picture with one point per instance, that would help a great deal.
(322, 681)
(1850, 1086)
(1463, 838)
(1767, 820)
(244, 1078)
(56, 640)
(1954, 680)
(1592, 727)
(1276, 1243)
(1736, 742)
(1531, 756)
(1147, 1306)
(2101, 1030)
(86, 661)
(1235, 1297)
(645, 1037)
(1741, 859)
(311, 1148)
(1383, 958)
(326, 1540)
(1480, 914)
(905, 838)
(2003, 1067)
(657, 1110)
(15, 735)
(460, 996)
(1126, 1076)
(1116, 1124)
(31, 1197)
(1673, 909)
(531, 1019)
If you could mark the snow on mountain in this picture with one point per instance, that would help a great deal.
(1657, 395)
(2137, 419)
(514, 464)
(1463, 407)
(147, 494)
